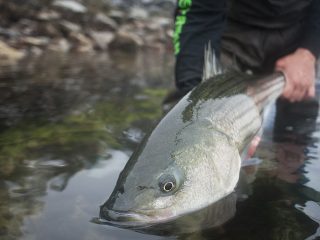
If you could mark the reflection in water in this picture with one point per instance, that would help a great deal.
(61, 115)
(312, 210)
(210, 217)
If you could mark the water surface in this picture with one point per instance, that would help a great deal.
(68, 124)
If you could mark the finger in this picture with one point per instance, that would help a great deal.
(294, 93)
(311, 92)
(300, 92)
(287, 92)
(280, 64)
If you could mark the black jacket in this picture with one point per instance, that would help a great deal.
(295, 22)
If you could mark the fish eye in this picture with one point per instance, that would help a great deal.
(167, 187)
(167, 183)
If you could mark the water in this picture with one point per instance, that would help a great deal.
(69, 124)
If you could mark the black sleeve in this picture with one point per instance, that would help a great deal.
(311, 40)
(197, 22)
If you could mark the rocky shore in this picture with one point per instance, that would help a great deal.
(32, 27)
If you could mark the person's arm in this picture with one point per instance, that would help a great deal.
(197, 22)
(311, 39)
(299, 67)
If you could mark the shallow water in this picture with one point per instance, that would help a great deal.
(69, 124)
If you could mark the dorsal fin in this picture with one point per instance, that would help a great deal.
(211, 67)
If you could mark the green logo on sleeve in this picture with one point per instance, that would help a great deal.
(184, 7)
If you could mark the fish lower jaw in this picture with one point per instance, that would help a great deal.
(128, 219)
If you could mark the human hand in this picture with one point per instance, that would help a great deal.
(299, 71)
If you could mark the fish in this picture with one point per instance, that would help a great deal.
(192, 158)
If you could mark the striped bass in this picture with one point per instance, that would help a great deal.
(192, 158)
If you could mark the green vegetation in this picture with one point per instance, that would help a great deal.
(101, 126)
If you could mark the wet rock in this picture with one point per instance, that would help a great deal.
(102, 39)
(59, 45)
(81, 43)
(70, 5)
(126, 41)
(103, 22)
(9, 55)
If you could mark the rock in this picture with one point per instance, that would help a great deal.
(59, 45)
(116, 15)
(49, 29)
(104, 22)
(48, 15)
(70, 5)
(138, 13)
(69, 27)
(102, 39)
(163, 22)
(126, 41)
(9, 33)
(27, 26)
(36, 41)
(35, 51)
(170, 33)
(9, 55)
(81, 43)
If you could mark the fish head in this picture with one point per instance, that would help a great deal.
(190, 176)
(143, 195)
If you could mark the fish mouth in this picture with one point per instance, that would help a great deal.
(132, 219)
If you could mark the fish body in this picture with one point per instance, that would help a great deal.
(192, 158)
